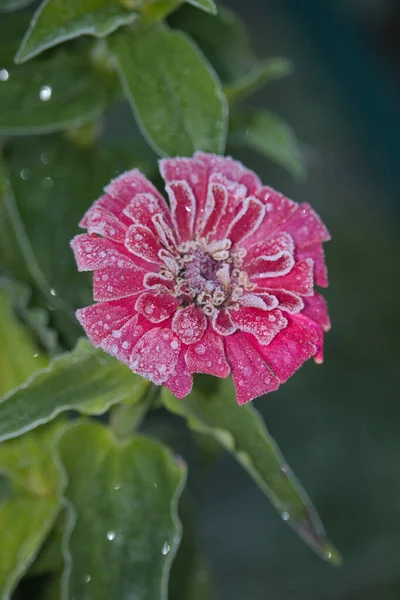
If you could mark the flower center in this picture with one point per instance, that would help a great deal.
(210, 276)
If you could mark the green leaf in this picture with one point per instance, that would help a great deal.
(268, 134)
(208, 6)
(19, 356)
(56, 21)
(86, 380)
(124, 529)
(50, 95)
(8, 5)
(52, 184)
(241, 431)
(31, 509)
(175, 95)
(222, 38)
(263, 72)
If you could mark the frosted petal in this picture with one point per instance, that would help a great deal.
(180, 382)
(264, 325)
(116, 283)
(189, 324)
(300, 280)
(142, 243)
(156, 307)
(208, 356)
(155, 355)
(183, 208)
(99, 319)
(222, 323)
(92, 252)
(247, 220)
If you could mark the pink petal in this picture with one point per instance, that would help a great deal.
(222, 323)
(278, 210)
(236, 193)
(143, 206)
(130, 183)
(272, 247)
(264, 301)
(316, 252)
(306, 227)
(250, 373)
(164, 232)
(313, 332)
(183, 208)
(251, 181)
(143, 243)
(104, 223)
(189, 324)
(288, 301)
(155, 355)
(317, 310)
(115, 283)
(121, 340)
(247, 220)
(99, 319)
(217, 199)
(208, 356)
(263, 324)
(156, 307)
(265, 266)
(180, 382)
(190, 170)
(287, 352)
(108, 203)
(92, 252)
(300, 280)
(158, 282)
(225, 166)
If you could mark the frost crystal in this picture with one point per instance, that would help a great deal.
(220, 280)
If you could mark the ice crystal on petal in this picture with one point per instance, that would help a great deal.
(220, 280)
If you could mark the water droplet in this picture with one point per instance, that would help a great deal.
(117, 487)
(25, 174)
(4, 75)
(165, 549)
(45, 92)
(328, 555)
(110, 535)
(53, 292)
(36, 355)
(48, 183)
(45, 158)
(87, 578)
(285, 516)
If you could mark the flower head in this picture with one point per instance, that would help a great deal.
(220, 280)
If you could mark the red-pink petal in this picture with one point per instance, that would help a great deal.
(251, 181)
(263, 324)
(278, 209)
(222, 323)
(305, 227)
(316, 252)
(155, 355)
(223, 165)
(115, 283)
(121, 340)
(190, 170)
(99, 319)
(142, 207)
(156, 307)
(236, 193)
(189, 324)
(183, 208)
(164, 232)
(217, 199)
(92, 252)
(287, 352)
(130, 183)
(208, 356)
(108, 203)
(265, 266)
(316, 308)
(247, 220)
(272, 247)
(288, 301)
(158, 282)
(313, 332)
(264, 301)
(300, 280)
(180, 382)
(104, 223)
(142, 243)
(250, 373)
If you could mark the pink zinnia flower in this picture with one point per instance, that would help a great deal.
(219, 281)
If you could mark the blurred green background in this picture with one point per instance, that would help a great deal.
(337, 424)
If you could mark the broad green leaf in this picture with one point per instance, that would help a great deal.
(56, 21)
(222, 38)
(268, 134)
(241, 430)
(19, 356)
(50, 95)
(208, 6)
(28, 510)
(52, 184)
(86, 380)
(124, 529)
(8, 5)
(176, 97)
(263, 72)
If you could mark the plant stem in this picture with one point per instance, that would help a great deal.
(127, 418)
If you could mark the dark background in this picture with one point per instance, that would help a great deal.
(338, 424)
